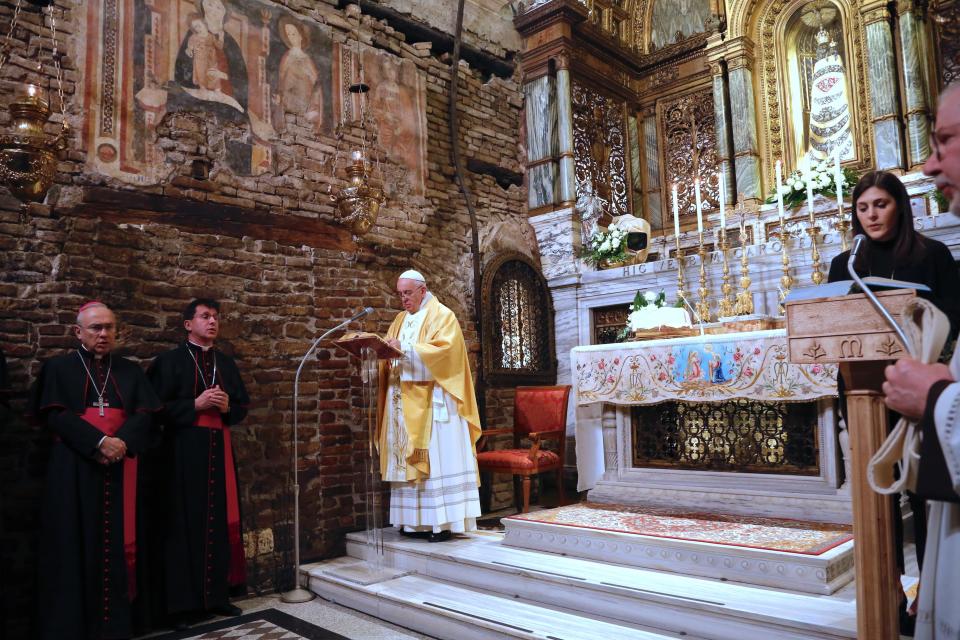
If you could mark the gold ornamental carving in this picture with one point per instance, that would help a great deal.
(599, 146)
(688, 126)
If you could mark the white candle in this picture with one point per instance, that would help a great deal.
(676, 216)
(779, 170)
(696, 191)
(723, 201)
(838, 178)
(809, 191)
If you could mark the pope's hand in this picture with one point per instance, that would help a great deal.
(908, 383)
(393, 342)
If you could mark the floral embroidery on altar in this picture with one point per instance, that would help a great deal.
(714, 368)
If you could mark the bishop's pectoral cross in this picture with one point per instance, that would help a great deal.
(100, 404)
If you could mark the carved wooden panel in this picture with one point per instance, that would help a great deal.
(688, 132)
(599, 147)
(845, 329)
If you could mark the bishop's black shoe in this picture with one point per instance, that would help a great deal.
(229, 610)
(443, 536)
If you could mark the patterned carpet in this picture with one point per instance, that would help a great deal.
(794, 536)
(268, 624)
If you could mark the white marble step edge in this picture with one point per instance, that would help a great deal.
(821, 574)
(709, 608)
(450, 612)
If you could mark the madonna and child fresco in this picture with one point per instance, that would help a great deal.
(251, 69)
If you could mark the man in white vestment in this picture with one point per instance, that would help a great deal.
(931, 393)
(429, 425)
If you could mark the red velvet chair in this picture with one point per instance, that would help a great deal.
(539, 413)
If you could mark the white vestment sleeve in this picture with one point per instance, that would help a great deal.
(946, 416)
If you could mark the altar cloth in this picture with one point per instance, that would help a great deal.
(750, 365)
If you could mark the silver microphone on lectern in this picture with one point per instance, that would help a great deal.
(692, 311)
(359, 315)
(858, 240)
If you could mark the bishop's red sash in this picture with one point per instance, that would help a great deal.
(108, 424)
(237, 574)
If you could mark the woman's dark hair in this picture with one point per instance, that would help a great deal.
(907, 244)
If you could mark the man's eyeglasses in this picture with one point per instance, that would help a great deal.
(940, 138)
(101, 328)
(207, 316)
(408, 292)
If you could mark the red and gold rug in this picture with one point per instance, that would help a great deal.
(773, 534)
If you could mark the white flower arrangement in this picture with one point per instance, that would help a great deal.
(606, 246)
(820, 175)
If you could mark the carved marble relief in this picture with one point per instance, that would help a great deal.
(688, 129)
(599, 147)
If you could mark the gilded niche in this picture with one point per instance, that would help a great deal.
(599, 148)
(811, 70)
(688, 130)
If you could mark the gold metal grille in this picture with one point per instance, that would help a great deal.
(737, 435)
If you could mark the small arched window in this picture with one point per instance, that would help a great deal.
(518, 323)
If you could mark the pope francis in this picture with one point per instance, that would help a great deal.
(429, 424)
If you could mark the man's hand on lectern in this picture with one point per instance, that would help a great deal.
(907, 384)
(393, 342)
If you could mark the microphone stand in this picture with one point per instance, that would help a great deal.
(857, 242)
(693, 311)
(298, 593)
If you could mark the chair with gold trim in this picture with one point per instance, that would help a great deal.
(539, 414)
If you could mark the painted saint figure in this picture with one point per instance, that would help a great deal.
(298, 89)
(694, 370)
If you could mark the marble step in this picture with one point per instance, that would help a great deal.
(450, 611)
(700, 607)
(816, 574)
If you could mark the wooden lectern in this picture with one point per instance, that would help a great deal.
(849, 331)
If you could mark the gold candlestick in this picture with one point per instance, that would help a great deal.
(745, 296)
(786, 280)
(816, 275)
(842, 226)
(681, 284)
(726, 305)
(703, 305)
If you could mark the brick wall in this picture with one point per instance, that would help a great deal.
(268, 248)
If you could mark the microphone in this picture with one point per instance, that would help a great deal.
(858, 241)
(361, 314)
(692, 311)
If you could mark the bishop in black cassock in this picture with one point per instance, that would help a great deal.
(99, 408)
(203, 396)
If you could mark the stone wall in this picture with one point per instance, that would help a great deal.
(269, 249)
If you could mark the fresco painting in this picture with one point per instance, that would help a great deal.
(397, 101)
(249, 66)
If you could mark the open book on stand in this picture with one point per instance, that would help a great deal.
(845, 287)
(356, 341)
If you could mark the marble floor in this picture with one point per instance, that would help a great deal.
(347, 622)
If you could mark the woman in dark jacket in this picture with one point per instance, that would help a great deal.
(881, 211)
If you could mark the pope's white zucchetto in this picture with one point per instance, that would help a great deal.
(410, 274)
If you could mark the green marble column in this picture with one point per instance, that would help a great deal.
(653, 198)
(567, 178)
(916, 109)
(542, 142)
(721, 112)
(881, 64)
(746, 154)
